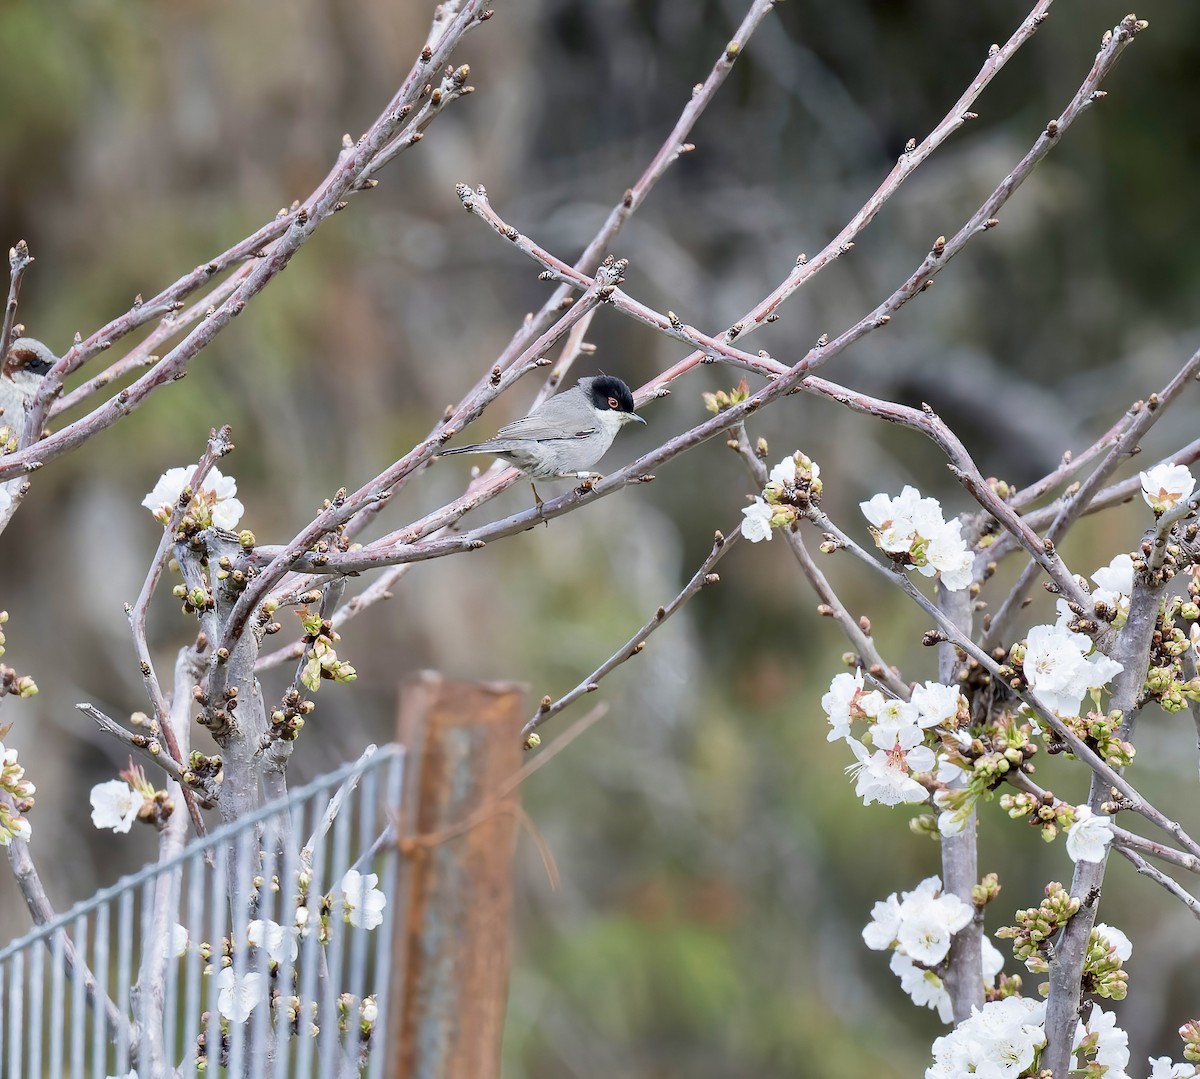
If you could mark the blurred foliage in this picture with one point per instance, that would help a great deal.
(716, 868)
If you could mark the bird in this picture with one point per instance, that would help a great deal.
(563, 437)
(25, 363)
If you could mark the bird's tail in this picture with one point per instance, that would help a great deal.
(463, 449)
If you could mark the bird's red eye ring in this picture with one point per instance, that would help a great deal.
(613, 403)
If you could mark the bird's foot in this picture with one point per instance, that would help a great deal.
(538, 500)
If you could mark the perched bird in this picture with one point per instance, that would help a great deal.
(562, 438)
(21, 374)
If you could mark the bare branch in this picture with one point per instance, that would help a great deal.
(288, 235)
(1140, 420)
(1147, 870)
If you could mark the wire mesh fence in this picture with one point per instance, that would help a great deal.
(262, 949)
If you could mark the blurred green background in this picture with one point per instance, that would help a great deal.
(716, 868)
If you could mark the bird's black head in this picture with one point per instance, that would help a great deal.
(607, 392)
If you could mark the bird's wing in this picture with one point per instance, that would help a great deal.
(537, 429)
(545, 423)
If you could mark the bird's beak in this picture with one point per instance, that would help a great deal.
(634, 416)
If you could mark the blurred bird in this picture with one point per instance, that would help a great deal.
(562, 438)
(26, 362)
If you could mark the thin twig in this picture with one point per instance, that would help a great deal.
(149, 994)
(19, 259)
(1123, 838)
(703, 576)
(147, 746)
(142, 354)
(1147, 870)
(334, 807)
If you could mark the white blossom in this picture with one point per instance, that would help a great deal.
(278, 940)
(897, 522)
(364, 902)
(946, 553)
(911, 525)
(785, 472)
(925, 931)
(1114, 585)
(924, 987)
(176, 942)
(927, 990)
(881, 931)
(239, 994)
(883, 776)
(1059, 670)
(936, 704)
(216, 489)
(757, 524)
(998, 1040)
(919, 924)
(1112, 1045)
(846, 701)
(115, 805)
(1165, 486)
(1118, 941)
(1089, 836)
(891, 716)
(1162, 1068)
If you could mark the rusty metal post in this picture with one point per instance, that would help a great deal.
(450, 977)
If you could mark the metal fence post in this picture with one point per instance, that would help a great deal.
(452, 958)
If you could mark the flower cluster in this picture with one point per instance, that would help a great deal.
(1166, 486)
(1088, 835)
(793, 486)
(970, 768)
(912, 532)
(1176, 642)
(1101, 1047)
(1002, 1038)
(1114, 585)
(1005, 1038)
(1103, 964)
(117, 803)
(1045, 812)
(214, 505)
(897, 734)
(13, 824)
(240, 992)
(918, 927)
(1063, 667)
